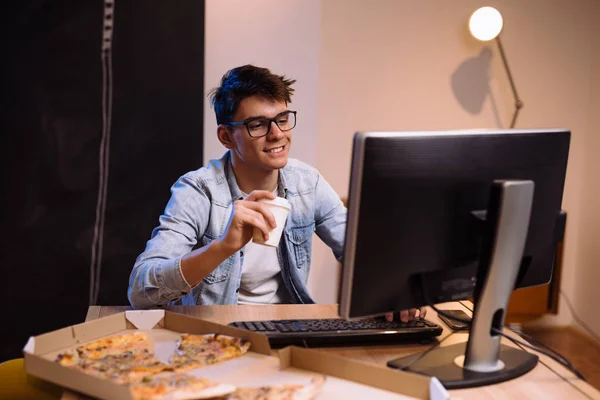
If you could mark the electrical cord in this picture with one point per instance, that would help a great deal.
(104, 156)
(535, 348)
(535, 341)
(579, 320)
(530, 339)
(553, 354)
(423, 354)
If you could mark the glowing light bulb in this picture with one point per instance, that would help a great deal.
(485, 23)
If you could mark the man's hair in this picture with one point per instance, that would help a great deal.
(248, 80)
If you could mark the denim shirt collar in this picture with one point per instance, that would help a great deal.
(234, 189)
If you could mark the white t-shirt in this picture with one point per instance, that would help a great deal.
(261, 276)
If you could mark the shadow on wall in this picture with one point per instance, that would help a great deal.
(471, 84)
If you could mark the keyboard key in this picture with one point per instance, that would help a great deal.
(260, 326)
(250, 326)
(270, 327)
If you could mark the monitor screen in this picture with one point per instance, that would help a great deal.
(417, 207)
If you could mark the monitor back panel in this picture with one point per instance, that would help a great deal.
(410, 202)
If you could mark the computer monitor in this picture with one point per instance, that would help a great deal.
(452, 215)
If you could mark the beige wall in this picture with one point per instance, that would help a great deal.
(388, 65)
(586, 297)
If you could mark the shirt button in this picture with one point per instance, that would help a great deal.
(241, 253)
(237, 290)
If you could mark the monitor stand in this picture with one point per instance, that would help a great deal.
(483, 360)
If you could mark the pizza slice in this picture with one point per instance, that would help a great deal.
(122, 368)
(194, 351)
(285, 392)
(130, 347)
(123, 358)
(178, 386)
(136, 342)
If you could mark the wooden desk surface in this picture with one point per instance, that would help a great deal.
(548, 380)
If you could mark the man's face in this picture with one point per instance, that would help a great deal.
(269, 152)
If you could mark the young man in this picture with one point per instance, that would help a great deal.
(201, 252)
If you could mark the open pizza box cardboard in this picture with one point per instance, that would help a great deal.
(345, 378)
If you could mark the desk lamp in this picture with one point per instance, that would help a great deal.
(486, 24)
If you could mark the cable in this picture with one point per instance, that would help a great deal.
(537, 342)
(423, 354)
(555, 355)
(465, 306)
(579, 320)
(529, 338)
(107, 86)
(546, 353)
(106, 169)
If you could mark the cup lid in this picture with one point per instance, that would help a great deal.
(278, 201)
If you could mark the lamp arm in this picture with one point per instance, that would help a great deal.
(518, 102)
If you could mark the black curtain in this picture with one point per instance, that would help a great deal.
(52, 127)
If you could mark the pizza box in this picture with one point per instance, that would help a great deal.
(259, 367)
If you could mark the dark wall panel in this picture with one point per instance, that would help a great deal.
(50, 142)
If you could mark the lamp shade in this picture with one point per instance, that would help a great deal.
(485, 23)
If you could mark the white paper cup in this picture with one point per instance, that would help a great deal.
(280, 208)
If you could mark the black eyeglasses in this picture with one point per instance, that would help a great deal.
(260, 126)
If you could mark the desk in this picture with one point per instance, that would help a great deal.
(548, 380)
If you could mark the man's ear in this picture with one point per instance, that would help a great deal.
(224, 135)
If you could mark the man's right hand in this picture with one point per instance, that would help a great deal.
(246, 215)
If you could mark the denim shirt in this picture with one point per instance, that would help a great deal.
(198, 212)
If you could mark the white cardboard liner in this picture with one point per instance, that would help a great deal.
(254, 370)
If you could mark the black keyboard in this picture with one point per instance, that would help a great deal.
(339, 332)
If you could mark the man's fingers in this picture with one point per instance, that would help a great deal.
(412, 313)
(404, 315)
(408, 315)
(260, 208)
(255, 219)
(256, 195)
